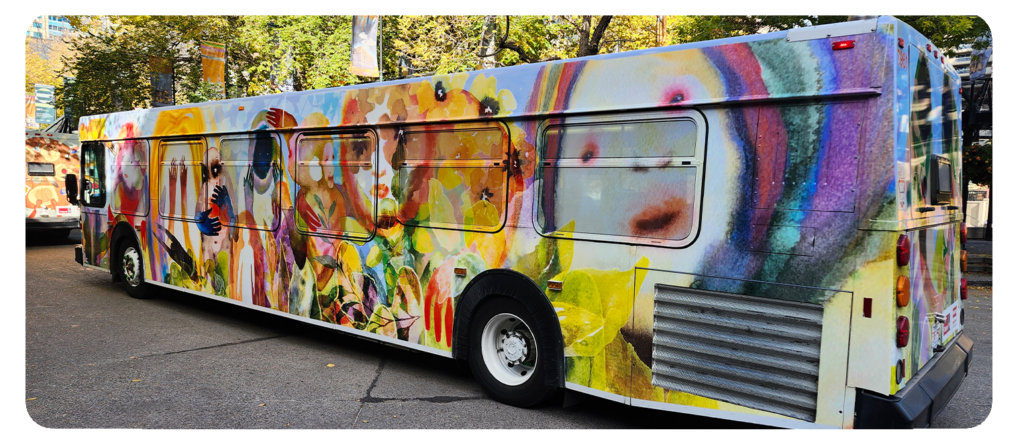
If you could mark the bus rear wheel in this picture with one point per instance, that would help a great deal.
(133, 272)
(505, 356)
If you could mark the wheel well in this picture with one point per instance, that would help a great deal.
(122, 231)
(509, 283)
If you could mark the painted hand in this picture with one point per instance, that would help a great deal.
(208, 226)
(220, 196)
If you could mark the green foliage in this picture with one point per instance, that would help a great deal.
(978, 163)
(312, 50)
(945, 31)
(111, 68)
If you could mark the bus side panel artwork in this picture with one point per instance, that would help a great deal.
(372, 208)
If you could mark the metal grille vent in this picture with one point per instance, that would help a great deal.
(755, 352)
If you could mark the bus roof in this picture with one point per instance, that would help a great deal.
(512, 90)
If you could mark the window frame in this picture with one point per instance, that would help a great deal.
(275, 163)
(160, 179)
(371, 133)
(145, 163)
(51, 172)
(460, 126)
(698, 161)
(100, 152)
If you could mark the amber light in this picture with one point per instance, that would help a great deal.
(963, 262)
(963, 290)
(903, 250)
(902, 291)
(902, 331)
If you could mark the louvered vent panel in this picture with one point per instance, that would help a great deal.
(755, 352)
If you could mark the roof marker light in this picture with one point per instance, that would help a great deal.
(928, 47)
(900, 42)
(840, 45)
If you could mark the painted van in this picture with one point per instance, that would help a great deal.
(49, 159)
(761, 228)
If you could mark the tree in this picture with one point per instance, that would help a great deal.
(977, 163)
(112, 68)
(44, 61)
(947, 32)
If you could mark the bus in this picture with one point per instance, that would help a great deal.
(51, 159)
(762, 228)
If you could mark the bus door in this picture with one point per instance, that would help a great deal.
(94, 188)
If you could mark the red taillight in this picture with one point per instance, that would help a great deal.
(963, 234)
(840, 45)
(902, 331)
(902, 251)
(963, 288)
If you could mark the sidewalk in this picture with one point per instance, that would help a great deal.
(994, 263)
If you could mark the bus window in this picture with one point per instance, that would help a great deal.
(335, 179)
(181, 177)
(94, 175)
(621, 180)
(244, 178)
(131, 170)
(453, 176)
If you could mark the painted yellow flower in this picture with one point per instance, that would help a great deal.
(492, 101)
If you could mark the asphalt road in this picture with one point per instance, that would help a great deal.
(96, 358)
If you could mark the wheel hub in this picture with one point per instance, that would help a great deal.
(130, 266)
(514, 347)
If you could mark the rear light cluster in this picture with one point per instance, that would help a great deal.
(902, 331)
(903, 251)
(902, 291)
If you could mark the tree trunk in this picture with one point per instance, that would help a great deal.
(487, 43)
(662, 37)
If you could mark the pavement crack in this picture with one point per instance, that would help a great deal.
(369, 390)
(228, 344)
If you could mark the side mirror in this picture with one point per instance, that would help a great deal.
(71, 186)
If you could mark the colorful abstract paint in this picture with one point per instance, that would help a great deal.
(756, 166)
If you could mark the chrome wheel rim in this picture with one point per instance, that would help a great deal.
(130, 266)
(509, 349)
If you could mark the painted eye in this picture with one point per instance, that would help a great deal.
(677, 98)
(439, 93)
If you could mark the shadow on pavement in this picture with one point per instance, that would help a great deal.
(37, 238)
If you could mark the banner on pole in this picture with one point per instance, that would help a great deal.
(979, 62)
(46, 114)
(213, 55)
(30, 111)
(161, 76)
(364, 45)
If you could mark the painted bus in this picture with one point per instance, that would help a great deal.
(50, 159)
(761, 228)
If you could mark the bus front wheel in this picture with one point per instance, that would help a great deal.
(133, 272)
(505, 356)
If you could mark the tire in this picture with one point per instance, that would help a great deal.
(133, 271)
(502, 333)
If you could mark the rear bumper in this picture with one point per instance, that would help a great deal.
(52, 223)
(927, 394)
